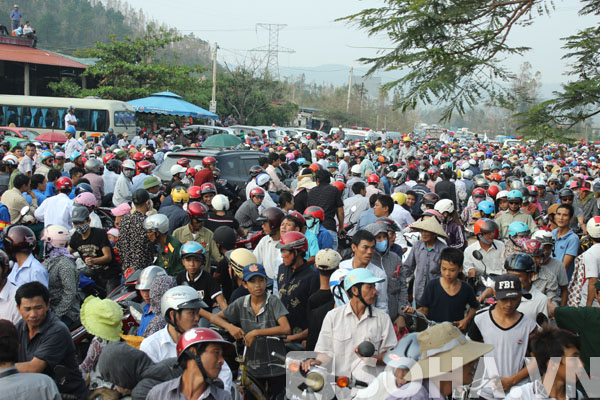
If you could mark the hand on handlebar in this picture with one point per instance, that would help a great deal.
(306, 364)
(408, 310)
(249, 338)
(236, 332)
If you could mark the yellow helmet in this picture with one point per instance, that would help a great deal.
(406, 138)
(239, 258)
(399, 198)
(180, 195)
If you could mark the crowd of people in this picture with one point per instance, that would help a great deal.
(495, 247)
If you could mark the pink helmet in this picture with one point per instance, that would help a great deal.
(58, 236)
(289, 156)
(86, 199)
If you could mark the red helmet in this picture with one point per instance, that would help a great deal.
(195, 192)
(200, 336)
(144, 164)
(197, 210)
(533, 190)
(206, 161)
(296, 153)
(108, 157)
(257, 192)
(191, 171)
(138, 156)
(148, 154)
(184, 162)
(296, 214)
(314, 212)
(534, 248)
(293, 241)
(480, 192)
(19, 238)
(485, 225)
(341, 186)
(208, 188)
(496, 177)
(314, 167)
(64, 183)
(373, 178)
(320, 154)
(493, 191)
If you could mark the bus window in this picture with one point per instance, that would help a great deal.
(83, 119)
(99, 121)
(124, 118)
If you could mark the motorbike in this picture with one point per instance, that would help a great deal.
(250, 241)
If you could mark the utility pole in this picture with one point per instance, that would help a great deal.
(349, 90)
(213, 102)
(273, 49)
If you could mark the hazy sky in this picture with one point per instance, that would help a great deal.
(317, 39)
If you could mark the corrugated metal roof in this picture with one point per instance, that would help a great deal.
(9, 52)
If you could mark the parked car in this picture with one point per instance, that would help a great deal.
(234, 164)
(206, 130)
(15, 135)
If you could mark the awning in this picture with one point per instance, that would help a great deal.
(23, 54)
(168, 103)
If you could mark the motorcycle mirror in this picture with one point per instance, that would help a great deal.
(477, 255)
(366, 349)
(315, 381)
(24, 211)
(135, 313)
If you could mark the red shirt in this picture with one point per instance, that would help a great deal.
(203, 176)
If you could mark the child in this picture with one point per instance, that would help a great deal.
(321, 302)
(548, 347)
(113, 236)
(446, 297)
(508, 330)
(260, 314)
(193, 258)
(523, 266)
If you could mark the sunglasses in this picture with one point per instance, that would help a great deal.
(566, 199)
(514, 202)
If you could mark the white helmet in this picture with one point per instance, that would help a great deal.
(593, 227)
(536, 172)
(336, 285)
(544, 236)
(220, 202)
(465, 166)
(57, 235)
(180, 298)
(502, 194)
(262, 179)
(177, 169)
(147, 277)
(468, 174)
(128, 164)
(444, 205)
(356, 169)
(157, 222)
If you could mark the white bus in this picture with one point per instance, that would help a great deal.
(45, 114)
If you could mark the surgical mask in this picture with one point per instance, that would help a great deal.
(381, 246)
(153, 195)
(129, 173)
(313, 225)
(485, 241)
(81, 229)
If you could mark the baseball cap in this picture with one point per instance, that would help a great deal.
(509, 287)
(585, 186)
(252, 270)
(80, 214)
(360, 275)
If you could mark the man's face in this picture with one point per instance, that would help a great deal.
(379, 210)
(427, 237)
(188, 319)
(207, 198)
(152, 236)
(196, 223)
(449, 271)
(524, 277)
(42, 186)
(514, 205)
(33, 311)
(364, 251)
(30, 151)
(508, 306)
(256, 285)
(192, 265)
(562, 217)
(286, 226)
(212, 360)
(267, 228)
(410, 200)
(18, 153)
(287, 256)
(257, 200)
(368, 292)
(571, 362)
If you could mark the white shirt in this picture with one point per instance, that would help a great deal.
(342, 331)
(268, 255)
(533, 391)
(72, 146)
(110, 180)
(493, 259)
(69, 118)
(31, 270)
(8, 306)
(159, 346)
(382, 301)
(537, 304)
(56, 210)
(26, 165)
(343, 168)
(401, 216)
(591, 262)
(122, 193)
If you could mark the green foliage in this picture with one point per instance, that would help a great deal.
(125, 70)
(252, 98)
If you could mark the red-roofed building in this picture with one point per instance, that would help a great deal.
(25, 70)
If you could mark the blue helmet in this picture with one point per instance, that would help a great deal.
(71, 129)
(487, 207)
(301, 160)
(518, 228)
(515, 194)
(74, 155)
(505, 165)
(83, 188)
(46, 155)
(192, 248)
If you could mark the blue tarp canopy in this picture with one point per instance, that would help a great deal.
(168, 103)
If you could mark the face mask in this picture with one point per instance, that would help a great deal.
(129, 173)
(112, 243)
(485, 241)
(81, 229)
(381, 246)
(313, 226)
(153, 195)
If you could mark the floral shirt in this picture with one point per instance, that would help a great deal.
(62, 284)
(135, 250)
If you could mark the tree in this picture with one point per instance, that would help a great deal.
(127, 70)
(451, 54)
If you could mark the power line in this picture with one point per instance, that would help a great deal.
(273, 49)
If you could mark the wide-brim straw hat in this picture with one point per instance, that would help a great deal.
(102, 318)
(430, 225)
(306, 183)
(445, 346)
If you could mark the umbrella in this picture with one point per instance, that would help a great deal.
(170, 104)
(222, 140)
(51, 137)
